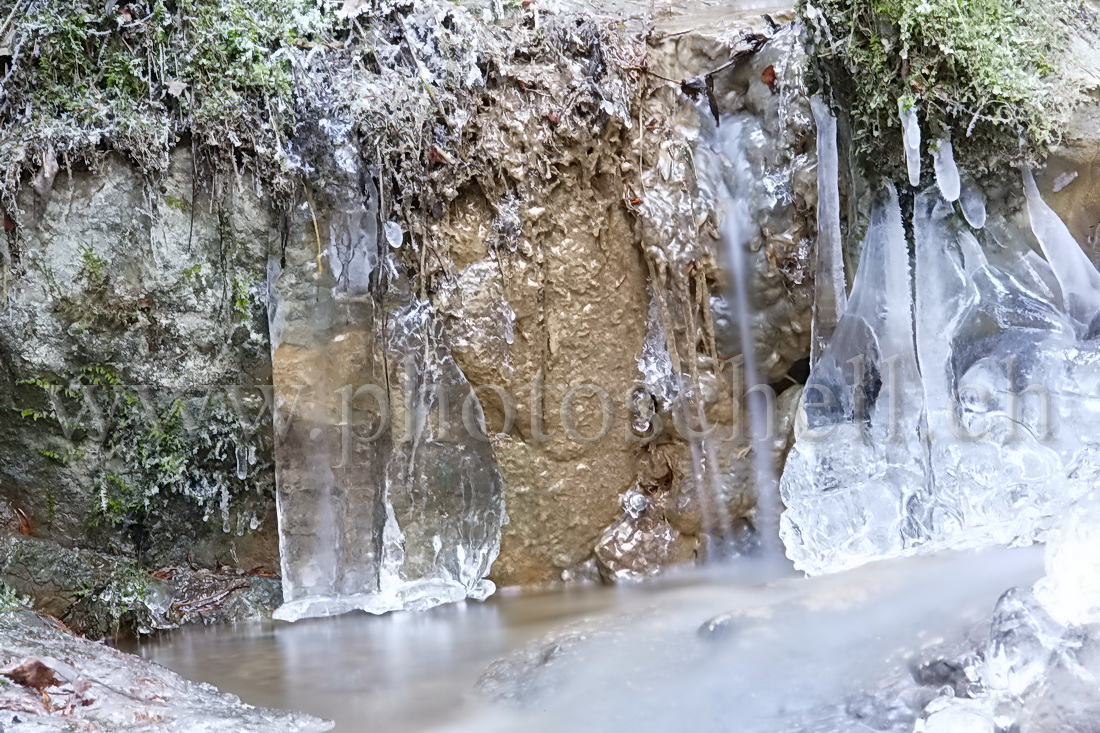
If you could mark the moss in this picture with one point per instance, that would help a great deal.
(177, 203)
(86, 77)
(96, 305)
(156, 452)
(982, 71)
(12, 601)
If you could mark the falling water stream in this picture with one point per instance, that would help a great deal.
(761, 410)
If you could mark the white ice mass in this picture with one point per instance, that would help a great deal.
(996, 432)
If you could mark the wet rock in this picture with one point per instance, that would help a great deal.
(1070, 181)
(121, 279)
(100, 595)
(102, 689)
(526, 675)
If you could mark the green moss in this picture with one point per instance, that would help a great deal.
(155, 451)
(87, 76)
(982, 71)
(177, 203)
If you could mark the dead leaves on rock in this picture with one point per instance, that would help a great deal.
(32, 672)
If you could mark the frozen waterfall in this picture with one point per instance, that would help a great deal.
(994, 435)
(387, 499)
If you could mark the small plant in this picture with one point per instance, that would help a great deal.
(12, 601)
(242, 298)
(93, 269)
(982, 71)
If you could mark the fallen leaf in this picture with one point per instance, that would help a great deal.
(33, 673)
(175, 88)
(26, 524)
(437, 156)
(768, 77)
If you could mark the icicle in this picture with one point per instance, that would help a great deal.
(972, 203)
(830, 293)
(947, 173)
(910, 131)
(242, 463)
(1079, 280)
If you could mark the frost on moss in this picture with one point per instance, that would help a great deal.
(81, 78)
(159, 454)
(986, 72)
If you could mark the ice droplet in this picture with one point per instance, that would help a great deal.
(394, 235)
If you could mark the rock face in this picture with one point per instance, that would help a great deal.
(99, 595)
(130, 308)
(563, 226)
(1070, 181)
(102, 689)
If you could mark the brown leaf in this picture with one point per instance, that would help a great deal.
(438, 156)
(26, 523)
(31, 672)
(768, 77)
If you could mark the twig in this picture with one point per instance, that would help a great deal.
(421, 70)
(316, 231)
(189, 606)
(4, 26)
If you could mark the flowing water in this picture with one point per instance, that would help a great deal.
(704, 650)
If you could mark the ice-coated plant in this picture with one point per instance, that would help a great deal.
(984, 73)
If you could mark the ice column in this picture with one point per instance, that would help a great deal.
(859, 461)
(830, 291)
(389, 496)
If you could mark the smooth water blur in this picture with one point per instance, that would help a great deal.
(790, 651)
(393, 673)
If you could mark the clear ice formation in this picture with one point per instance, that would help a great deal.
(910, 134)
(947, 173)
(830, 291)
(1079, 280)
(387, 500)
(998, 430)
(972, 204)
(1038, 669)
(859, 460)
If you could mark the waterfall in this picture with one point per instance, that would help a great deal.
(386, 497)
(737, 227)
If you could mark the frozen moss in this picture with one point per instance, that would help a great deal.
(83, 78)
(159, 455)
(984, 71)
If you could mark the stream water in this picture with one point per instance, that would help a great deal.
(710, 649)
